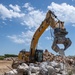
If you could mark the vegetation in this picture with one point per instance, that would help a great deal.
(1, 57)
(10, 55)
(7, 55)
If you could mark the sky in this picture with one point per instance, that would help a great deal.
(19, 19)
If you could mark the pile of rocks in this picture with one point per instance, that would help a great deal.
(44, 68)
(51, 65)
(47, 56)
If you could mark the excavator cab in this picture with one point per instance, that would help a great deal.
(39, 55)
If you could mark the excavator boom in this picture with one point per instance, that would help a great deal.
(59, 35)
(49, 20)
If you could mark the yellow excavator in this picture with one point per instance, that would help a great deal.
(59, 38)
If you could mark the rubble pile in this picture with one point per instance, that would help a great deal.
(51, 65)
(44, 68)
(47, 56)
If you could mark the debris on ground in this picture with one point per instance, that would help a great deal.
(51, 65)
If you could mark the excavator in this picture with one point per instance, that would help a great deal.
(60, 33)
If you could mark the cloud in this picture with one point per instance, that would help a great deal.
(64, 11)
(48, 38)
(28, 6)
(34, 17)
(31, 20)
(27, 34)
(16, 39)
(73, 25)
(73, 0)
(4, 23)
(15, 8)
(8, 13)
(24, 37)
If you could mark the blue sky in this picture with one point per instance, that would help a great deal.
(19, 19)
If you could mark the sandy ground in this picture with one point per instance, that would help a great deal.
(5, 66)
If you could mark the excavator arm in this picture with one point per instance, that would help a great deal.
(49, 21)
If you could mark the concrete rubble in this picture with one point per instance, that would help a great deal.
(51, 65)
(44, 68)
